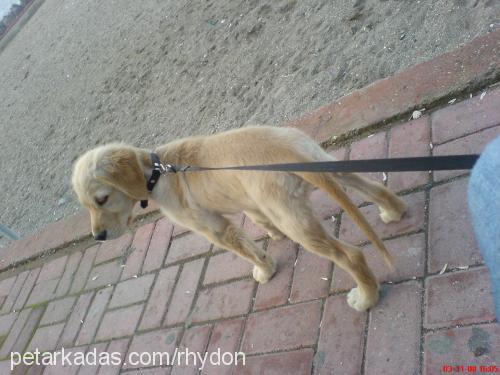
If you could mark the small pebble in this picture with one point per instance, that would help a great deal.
(415, 115)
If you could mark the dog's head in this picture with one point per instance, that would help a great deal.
(109, 180)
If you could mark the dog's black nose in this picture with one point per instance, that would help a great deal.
(101, 236)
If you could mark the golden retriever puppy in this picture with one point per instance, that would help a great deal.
(110, 179)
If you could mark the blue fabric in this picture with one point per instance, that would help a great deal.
(484, 205)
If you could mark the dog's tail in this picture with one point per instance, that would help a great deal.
(328, 183)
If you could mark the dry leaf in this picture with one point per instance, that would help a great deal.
(443, 270)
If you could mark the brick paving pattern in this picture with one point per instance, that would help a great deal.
(163, 288)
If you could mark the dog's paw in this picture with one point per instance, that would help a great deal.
(263, 275)
(275, 235)
(359, 301)
(390, 215)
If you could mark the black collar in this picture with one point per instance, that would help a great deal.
(155, 176)
(158, 170)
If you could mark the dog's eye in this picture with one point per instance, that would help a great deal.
(102, 200)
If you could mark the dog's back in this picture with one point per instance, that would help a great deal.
(245, 146)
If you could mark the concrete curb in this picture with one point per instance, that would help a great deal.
(464, 70)
(25, 15)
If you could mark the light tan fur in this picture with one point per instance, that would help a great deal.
(277, 201)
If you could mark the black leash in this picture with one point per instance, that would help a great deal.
(424, 163)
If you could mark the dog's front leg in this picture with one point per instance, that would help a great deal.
(221, 232)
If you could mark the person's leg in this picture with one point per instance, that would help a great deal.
(484, 205)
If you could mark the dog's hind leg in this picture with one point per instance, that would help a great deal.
(295, 218)
(261, 220)
(221, 232)
(327, 182)
(390, 205)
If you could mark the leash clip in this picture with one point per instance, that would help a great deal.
(158, 166)
(169, 168)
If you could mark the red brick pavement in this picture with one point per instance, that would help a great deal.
(164, 289)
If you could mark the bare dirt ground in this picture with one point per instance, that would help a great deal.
(82, 73)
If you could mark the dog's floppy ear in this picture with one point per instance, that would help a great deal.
(123, 171)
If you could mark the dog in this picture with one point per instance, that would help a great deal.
(109, 180)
